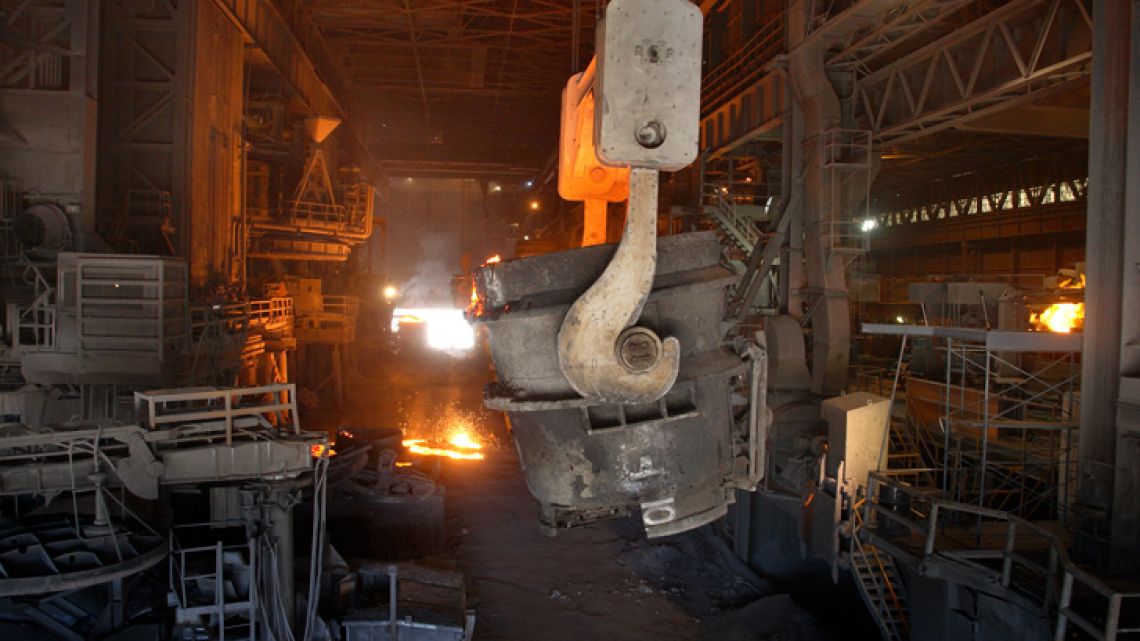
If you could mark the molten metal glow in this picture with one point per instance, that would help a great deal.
(318, 450)
(418, 446)
(404, 463)
(461, 439)
(459, 444)
(1061, 317)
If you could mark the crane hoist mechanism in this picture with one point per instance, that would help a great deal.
(609, 358)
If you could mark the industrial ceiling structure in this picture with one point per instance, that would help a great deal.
(472, 84)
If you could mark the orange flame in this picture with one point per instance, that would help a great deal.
(1061, 318)
(463, 446)
(476, 305)
(319, 450)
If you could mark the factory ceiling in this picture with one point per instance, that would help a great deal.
(465, 86)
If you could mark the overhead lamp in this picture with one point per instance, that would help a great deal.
(868, 225)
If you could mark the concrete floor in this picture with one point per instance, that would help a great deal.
(604, 581)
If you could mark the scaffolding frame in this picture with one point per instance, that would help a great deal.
(1005, 433)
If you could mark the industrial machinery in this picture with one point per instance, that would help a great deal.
(608, 415)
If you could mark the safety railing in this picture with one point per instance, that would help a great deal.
(1053, 583)
(880, 591)
(273, 404)
(273, 313)
(228, 318)
(348, 222)
(346, 306)
(740, 228)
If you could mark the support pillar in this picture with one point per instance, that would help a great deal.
(280, 510)
(818, 112)
(338, 373)
(1108, 480)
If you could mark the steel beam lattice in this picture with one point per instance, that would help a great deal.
(1018, 52)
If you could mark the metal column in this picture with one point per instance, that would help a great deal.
(281, 516)
(1108, 488)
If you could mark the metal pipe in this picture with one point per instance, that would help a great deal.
(393, 618)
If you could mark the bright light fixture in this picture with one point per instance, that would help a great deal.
(868, 224)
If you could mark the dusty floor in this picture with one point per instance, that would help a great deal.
(604, 581)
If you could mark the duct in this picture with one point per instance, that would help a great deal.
(42, 227)
(826, 200)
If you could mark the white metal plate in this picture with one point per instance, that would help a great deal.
(649, 83)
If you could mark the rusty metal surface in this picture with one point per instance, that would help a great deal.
(586, 459)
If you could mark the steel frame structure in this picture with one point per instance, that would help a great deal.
(1018, 52)
(1002, 421)
(447, 71)
(46, 38)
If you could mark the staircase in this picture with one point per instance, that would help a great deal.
(730, 218)
(904, 452)
(879, 584)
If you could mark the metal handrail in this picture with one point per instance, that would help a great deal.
(273, 312)
(744, 232)
(857, 525)
(198, 405)
(1061, 575)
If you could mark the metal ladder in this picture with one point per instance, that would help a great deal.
(879, 584)
(846, 160)
(201, 593)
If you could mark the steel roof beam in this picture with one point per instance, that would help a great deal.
(1023, 50)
